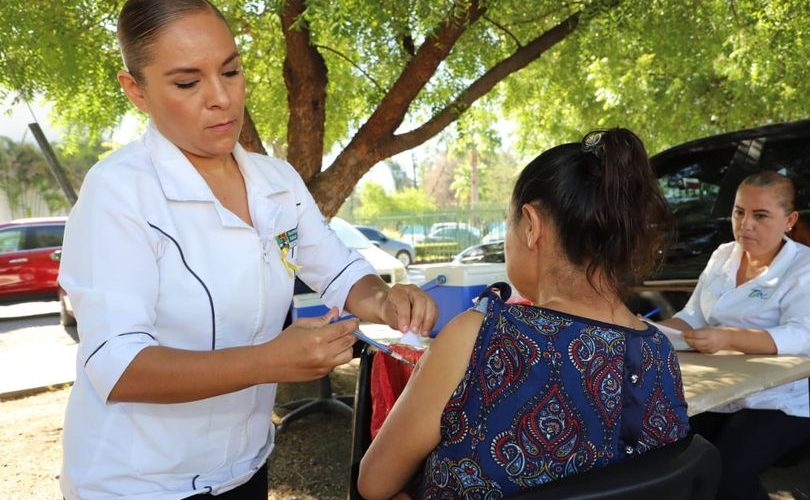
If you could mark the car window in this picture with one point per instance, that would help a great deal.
(44, 237)
(692, 189)
(10, 240)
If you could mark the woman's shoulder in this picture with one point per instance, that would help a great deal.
(121, 168)
(801, 260)
(276, 169)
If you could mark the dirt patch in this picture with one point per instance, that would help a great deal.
(311, 458)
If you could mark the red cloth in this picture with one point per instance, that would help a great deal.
(388, 379)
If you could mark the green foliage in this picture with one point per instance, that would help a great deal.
(375, 202)
(669, 70)
(23, 169)
(428, 252)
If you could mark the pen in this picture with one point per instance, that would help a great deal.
(382, 347)
(656, 310)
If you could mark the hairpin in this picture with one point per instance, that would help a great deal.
(592, 143)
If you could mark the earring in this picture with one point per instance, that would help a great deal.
(788, 229)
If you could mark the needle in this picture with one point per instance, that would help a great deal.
(382, 347)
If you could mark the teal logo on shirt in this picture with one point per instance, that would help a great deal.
(757, 293)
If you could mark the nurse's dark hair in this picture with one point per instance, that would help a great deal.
(782, 185)
(604, 200)
(141, 21)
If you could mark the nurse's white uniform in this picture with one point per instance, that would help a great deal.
(778, 301)
(151, 257)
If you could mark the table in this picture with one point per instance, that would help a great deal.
(710, 380)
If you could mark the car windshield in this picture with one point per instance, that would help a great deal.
(348, 234)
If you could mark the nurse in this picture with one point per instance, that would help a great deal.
(754, 297)
(179, 259)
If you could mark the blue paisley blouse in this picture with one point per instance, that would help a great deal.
(547, 395)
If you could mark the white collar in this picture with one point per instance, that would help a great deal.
(180, 181)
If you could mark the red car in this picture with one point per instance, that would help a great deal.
(30, 250)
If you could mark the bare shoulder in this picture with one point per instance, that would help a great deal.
(450, 351)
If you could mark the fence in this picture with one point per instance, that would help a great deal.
(439, 236)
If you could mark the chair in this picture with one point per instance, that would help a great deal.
(686, 470)
(361, 423)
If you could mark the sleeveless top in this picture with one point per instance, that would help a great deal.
(547, 395)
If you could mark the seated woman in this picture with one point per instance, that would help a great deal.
(754, 297)
(512, 396)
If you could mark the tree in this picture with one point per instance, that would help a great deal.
(367, 80)
(380, 64)
(23, 170)
(374, 201)
(669, 70)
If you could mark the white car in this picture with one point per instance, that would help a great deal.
(391, 270)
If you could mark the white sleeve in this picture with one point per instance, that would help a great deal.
(327, 265)
(792, 335)
(109, 271)
(692, 312)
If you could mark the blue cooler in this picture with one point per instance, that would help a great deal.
(307, 305)
(454, 286)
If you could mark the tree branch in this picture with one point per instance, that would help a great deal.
(305, 76)
(357, 67)
(393, 107)
(515, 62)
(503, 28)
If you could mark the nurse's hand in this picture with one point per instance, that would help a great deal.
(409, 308)
(311, 347)
(708, 340)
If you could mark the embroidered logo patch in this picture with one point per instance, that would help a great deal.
(286, 241)
(757, 293)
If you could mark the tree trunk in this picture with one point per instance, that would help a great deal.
(249, 136)
(305, 77)
(376, 140)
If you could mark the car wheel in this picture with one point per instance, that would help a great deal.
(65, 317)
(404, 257)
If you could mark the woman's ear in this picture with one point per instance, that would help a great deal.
(133, 90)
(792, 218)
(532, 227)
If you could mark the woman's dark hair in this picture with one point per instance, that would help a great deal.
(780, 183)
(604, 200)
(141, 21)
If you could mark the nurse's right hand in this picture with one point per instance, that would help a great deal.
(311, 347)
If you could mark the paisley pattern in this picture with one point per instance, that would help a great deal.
(506, 362)
(454, 423)
(598, 354)
(547, 395)
(546, 441)
(459, 479)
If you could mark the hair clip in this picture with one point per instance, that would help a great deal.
(592, 143)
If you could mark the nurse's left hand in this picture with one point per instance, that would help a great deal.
(708, 340)
(408, 308)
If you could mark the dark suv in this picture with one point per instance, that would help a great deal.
(700, 179)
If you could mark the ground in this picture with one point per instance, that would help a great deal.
(311, 459)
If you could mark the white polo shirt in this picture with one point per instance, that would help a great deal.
(151, 257)
(778, 301)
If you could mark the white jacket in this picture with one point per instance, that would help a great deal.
(151, 257)
(778, 301)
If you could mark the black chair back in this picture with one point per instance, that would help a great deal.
(686, 470)
(361, 424)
